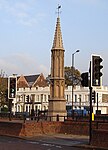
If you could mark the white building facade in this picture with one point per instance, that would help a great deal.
(38, 99)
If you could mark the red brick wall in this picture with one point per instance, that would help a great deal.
(9, 128)
(33, 128)
(100, 138)
(103, 126)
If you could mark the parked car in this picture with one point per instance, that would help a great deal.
(21, 114)
(77, 112)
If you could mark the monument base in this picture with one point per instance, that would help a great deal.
(57, 110)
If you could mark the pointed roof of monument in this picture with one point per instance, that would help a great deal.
(58, 43)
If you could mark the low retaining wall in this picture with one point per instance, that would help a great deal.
(100, 138)
(33, 128)
(10, 128)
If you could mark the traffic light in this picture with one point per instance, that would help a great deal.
(27, 98)
(84, 81)
(94, 96)
(11, 87)
(96, 70)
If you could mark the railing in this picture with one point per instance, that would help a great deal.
(24, 117)
(46, 118)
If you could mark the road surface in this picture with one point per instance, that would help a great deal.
(39, 143)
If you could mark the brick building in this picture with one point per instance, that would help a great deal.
(32, 92)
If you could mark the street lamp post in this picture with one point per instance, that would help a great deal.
(72, 79)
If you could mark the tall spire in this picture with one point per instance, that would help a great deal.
(57, 102)
(58, 43)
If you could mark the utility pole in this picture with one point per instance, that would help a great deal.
(10, 109)
(90, 118)
(97, 104)
(73, 80)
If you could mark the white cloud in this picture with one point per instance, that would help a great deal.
(21, 11)
(22, 64)
(27, 21)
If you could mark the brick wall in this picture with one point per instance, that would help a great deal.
(33, 128)
(100, 138)
(9, 128)
(56, 127)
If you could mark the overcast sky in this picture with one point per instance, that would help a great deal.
(27, 31)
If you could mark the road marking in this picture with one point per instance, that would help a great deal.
(44, 144)
(52, 145)
(32, 142)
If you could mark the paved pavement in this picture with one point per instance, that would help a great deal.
(39, 143)
(46, 142)
(62, 139)
(76, 141)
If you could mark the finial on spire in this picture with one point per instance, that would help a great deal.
(59, 6)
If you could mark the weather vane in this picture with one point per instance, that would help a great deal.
(59, 6)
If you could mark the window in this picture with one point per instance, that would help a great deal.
(37, 98)
(45, 98)
(80, 98)
(79, 101)
(33, 97)
(41, 98)
(26, 108)
(86, 98)
(48, 96)
(75, 98)
(67, 98)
